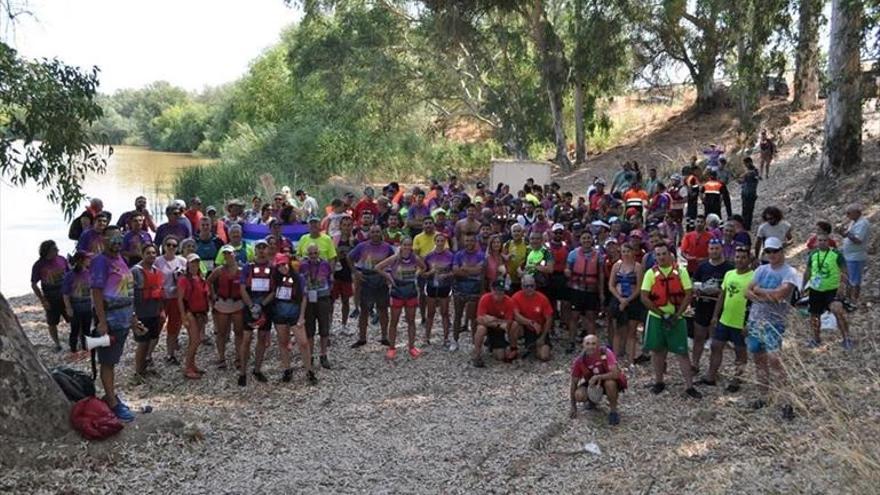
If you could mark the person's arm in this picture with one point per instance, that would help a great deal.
(688, 295)
(725, 196)
(649, 304)
(852, 236)
(759, 244)
(807, 273)
(716, 312)
(100, 312)
(601, 286)
(613, 374)
(572, 390)
(39, 294)
(180, 291)
(789, 235)
(612, 283)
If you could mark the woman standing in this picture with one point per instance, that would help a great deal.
(148, 301)
(585, 271)
(439, 276)
(49, 272)
(612, 255)
(625, 283)
(172, 266)
(224, 286)
(193, 303)
(289, 300)
(496, 265)
(75, 290)
(401, 271)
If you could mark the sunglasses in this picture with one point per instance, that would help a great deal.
(528, 286)
(171, 244)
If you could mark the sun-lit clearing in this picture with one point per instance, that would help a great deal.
(697, 448)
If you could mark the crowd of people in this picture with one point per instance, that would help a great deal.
(623, 275)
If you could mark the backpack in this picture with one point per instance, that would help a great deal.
(94, 420)
(75, 384)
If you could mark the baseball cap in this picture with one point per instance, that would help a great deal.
(179, 203)
(210, 209)
(193, 257)
(772, 243)
(557, 227)
(260, 242)
(227, 249)
(314, 218)
(714, 241)
(498, 284)
(282, 259)
(576, 226)
(600, 223)
(599, 182)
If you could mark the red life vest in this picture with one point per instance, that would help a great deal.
(666, 289)
(259, 273)
(228, 286)
(288, 289)
(584, 273)
(560, 255)
(195, 298)
(712, 187)
(153, 281)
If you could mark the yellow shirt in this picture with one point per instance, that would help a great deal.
(326, 249)
(648, 283)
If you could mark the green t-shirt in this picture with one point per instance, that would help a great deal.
(735, 286)
(825, 269)
(648, 283)
(537, 257)
(326, 249)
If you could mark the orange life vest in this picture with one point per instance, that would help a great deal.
(712, 187)
(584, 273)
(153, 282)
(666, 289)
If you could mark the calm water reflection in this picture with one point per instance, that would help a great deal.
(28, 218)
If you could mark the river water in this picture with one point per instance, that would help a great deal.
(27, 218)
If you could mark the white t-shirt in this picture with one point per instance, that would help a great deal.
(169, 270)
(766, 277)
(861, 229)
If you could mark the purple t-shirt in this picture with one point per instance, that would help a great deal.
(471, 284)
(91, 241)
(135, 241)
(49, 273)
(76, 286)
(366, 255)
(441, 263)
(318, 276)
(178, 230)
(112, 275)
(418, 212)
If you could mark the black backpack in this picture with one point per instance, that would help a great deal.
(75, 384)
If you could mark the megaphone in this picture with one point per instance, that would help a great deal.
(102, 341)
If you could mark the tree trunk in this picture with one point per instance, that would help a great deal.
(580, 138)
(842, 151)
(554, 72)
(704, 80)
(32, 406)
(806, 74)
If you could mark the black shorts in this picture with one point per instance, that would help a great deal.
(249, 319)
(153, 325)
(112, 354)
(318, 316)
(514, 288)
(496, 338)
(531, 338)
(556, 289)
(372, 295)
(703, 312)
(820, 300)
(55, 312)
(437, 292)
(582, 300)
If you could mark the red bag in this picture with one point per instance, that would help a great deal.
(94, 420)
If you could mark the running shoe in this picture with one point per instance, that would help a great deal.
(359, 343)
(453, 346)
(287, 375)
(260, 376)
(414, 352)
(706, 381)
(478, 362)
(385, 342)
(693, 393)
(813, 343)
(613, 418)
(658, 387)
(325, 363)
(391, 354)
(354, 313)
(312, 379)
(122, 412)
(192, 374)
(787, 412)
(242, 380)
(847, 344)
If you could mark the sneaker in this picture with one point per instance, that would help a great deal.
(242, 380)
(374, 320)
(359, 343)
(478, 362)
(325, 363)
(847, 344)
(172, 361)
(733, 387)
(287, 375)
(385, 342)
(312, 379)
(354, 313)
(693, 393)
(658, 387)
(706, 381)
(813, 343)
(122, 412)
(642, 359)
(787, 412)
(453, 346)
(589, 406)
(260, 376)
(391, 354)
(415, 352)
(613, 418)
(758, 404)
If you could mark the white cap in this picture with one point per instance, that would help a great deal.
(772, 243)
(557, 226)
(179, 203)
(193, 257)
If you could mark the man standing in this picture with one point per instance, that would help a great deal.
(257, 292)
(826, 279)
(768, 151)
(468, 271)
(372, 286)
(770, 293)
(729, 319)
(596, 366)
(140, 206)
(695, 244)
(307, 205)
(707, 288)
(666, 293)
(468, 225)
(326, 247)
(367, 203)
(855, 248)
(714, 193)
(92, 240)
(495, 313)
(112, 296)
(174, 226)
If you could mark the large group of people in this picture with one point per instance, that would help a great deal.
(525, 272)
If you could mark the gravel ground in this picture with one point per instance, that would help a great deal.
(438, 425)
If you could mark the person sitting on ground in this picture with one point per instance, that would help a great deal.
(533, 318)
(666, 293)
(495, 313)
(826, 279)
(596, 366)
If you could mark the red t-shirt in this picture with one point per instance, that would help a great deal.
(363, 205)
(195, 293)
(536, 308)
(488, 306)
(694, 244)
(584, 367)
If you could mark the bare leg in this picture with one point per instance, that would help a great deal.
(305, 348)
(684, 363)
(244, 351)
(430, 311)
(612, 393)
(479, 338)
(715, 358)
(108, 380)
(701, 334)
(444, 317)
(410, 314)
(392, 328)
(283, 345)
(658, 359)
(260, 352)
